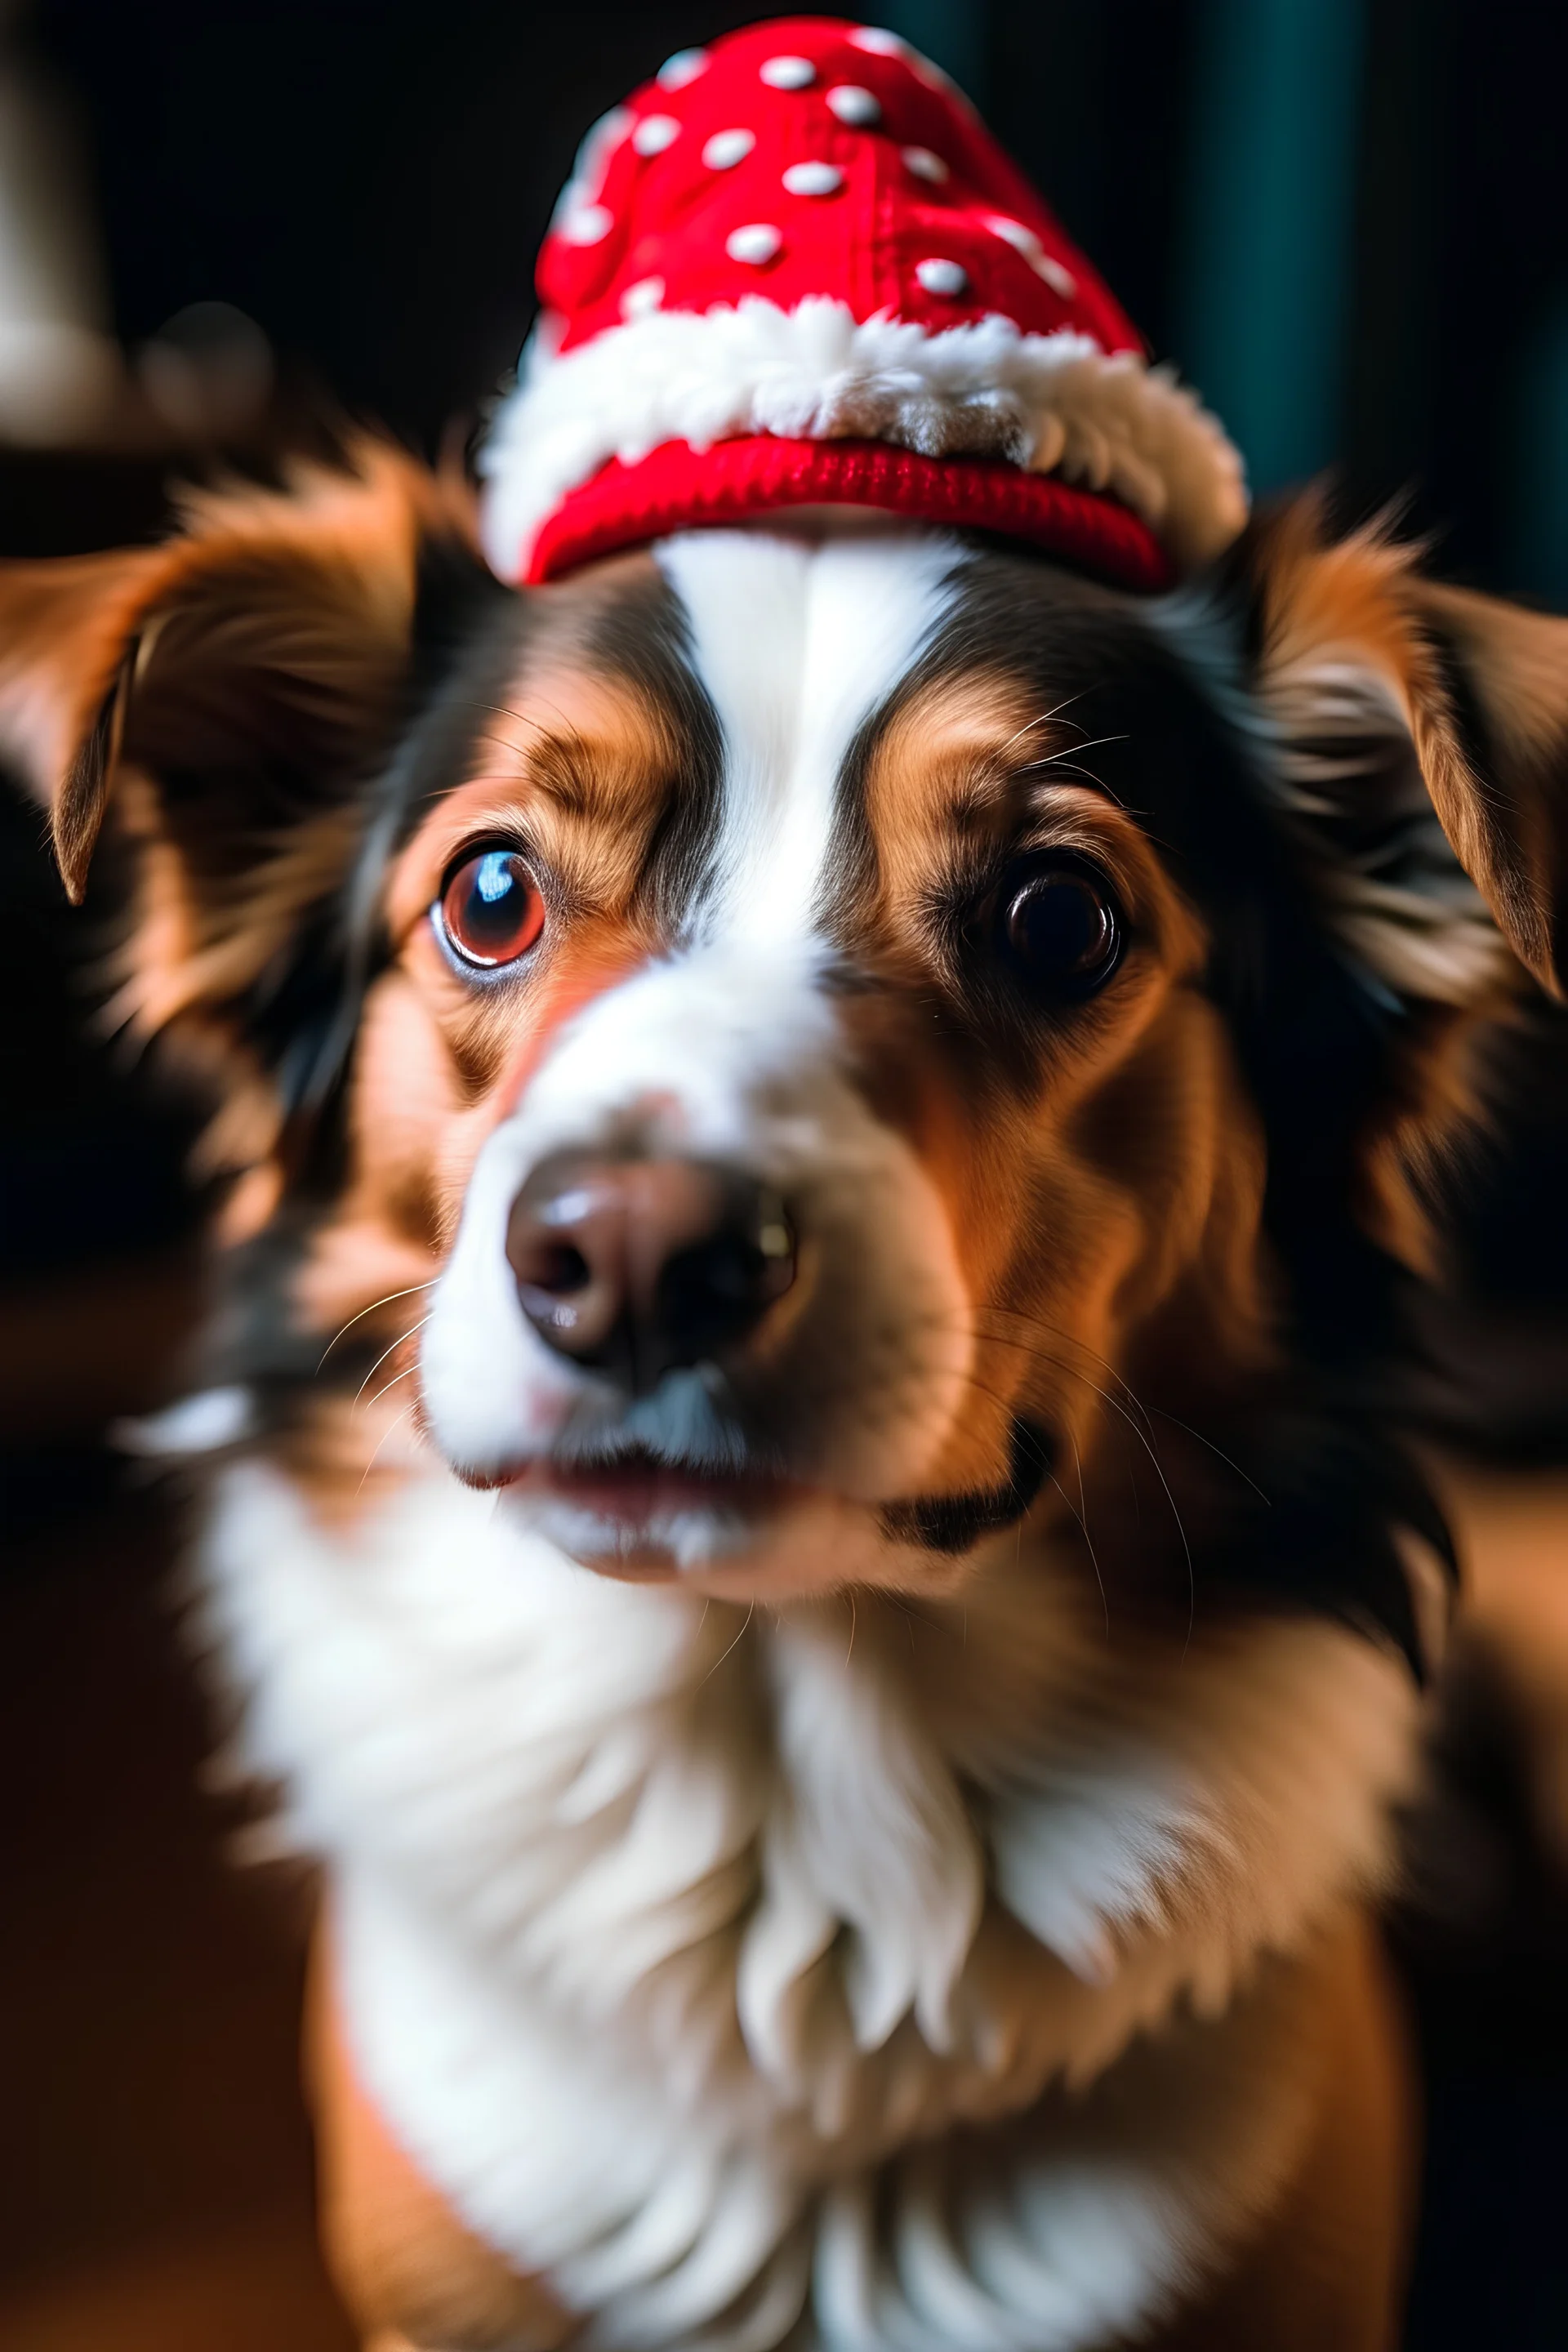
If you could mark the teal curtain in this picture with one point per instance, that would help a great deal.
(1269, 245)
(952, 33)
(1535, 462)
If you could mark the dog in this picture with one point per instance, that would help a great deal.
(826, 1126)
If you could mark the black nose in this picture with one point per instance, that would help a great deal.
(638, 1267)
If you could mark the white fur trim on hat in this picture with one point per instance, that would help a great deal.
(1053, 404)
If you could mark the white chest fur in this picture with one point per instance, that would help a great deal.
(729, 1971)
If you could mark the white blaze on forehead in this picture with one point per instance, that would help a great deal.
(797, 641)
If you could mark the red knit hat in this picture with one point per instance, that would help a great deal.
(795, 269)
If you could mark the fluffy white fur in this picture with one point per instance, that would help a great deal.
(1053, 404)
(667, 1930)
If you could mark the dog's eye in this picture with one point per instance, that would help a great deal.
(1060, 929)
(490, 912)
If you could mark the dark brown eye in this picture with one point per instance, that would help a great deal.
(1060, 930)
(490, 912)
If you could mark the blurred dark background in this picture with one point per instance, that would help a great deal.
(1348, 220)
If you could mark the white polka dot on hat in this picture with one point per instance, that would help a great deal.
(755, 242)
(728, 148)
(852, 104)
(684, 66)
(788, 73)
(655, 133)
(813, 179)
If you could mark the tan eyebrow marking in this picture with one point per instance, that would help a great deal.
(585, 787)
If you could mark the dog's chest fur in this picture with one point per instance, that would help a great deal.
(679, 1945)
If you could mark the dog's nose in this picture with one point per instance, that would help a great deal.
(638, 1267)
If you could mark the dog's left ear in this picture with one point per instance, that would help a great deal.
(1492, 734)
(1416, 748)
(1372, 670)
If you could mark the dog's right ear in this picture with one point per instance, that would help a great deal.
(69, 632)
(239, 668)
(236, 692)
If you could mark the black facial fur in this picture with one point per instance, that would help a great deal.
(955, 1523)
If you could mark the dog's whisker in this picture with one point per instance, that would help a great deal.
(387, 1386)
(1078, 1465)
(568, 729)
(905, 1608)
(412, 1290)
(1044, 719)
(1079, 1515)
(395, 1422)
(719, 1661)
(1000, 1339)
(1088, 1546)
(1068, 1340)
(1214, 1449)
(1148, 1448)
(1090, 776)
(400, 1339)
(1069, 752)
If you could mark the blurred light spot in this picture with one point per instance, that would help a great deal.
(208, 373)
(58, 381)
(197, 1425)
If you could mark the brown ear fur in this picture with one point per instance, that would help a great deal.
(1395, 804)
(1481, 686)
(65, 630)
(229, 691)
(1503, 800)
(260, 644)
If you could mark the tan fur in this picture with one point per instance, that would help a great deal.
(1128, 1200)
(405, 2266)
(1363, 598)
(274, 622)
(1358, 610)
(1327, 2268)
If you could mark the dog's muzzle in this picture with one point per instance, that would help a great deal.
(693, 1241)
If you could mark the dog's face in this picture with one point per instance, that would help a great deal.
(814, 1082)
(827, 1003)
(809, 944)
